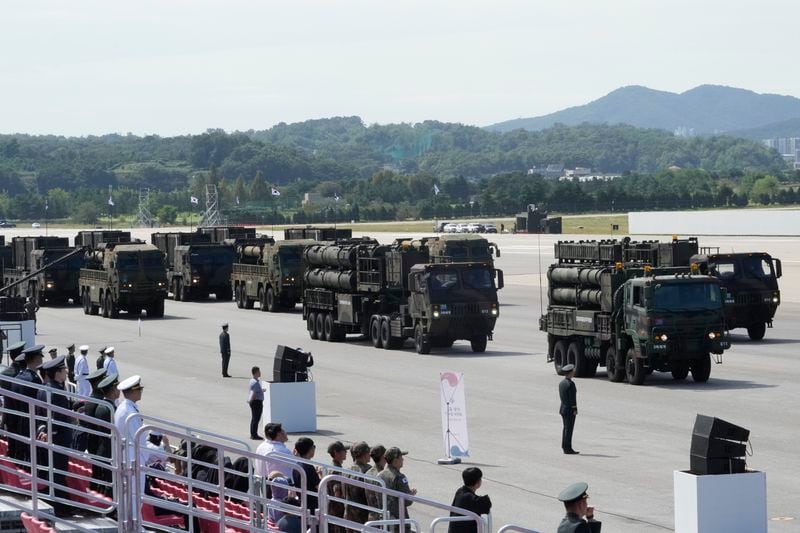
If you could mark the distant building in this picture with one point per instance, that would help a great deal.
(684, 131)
(788, 147)
(313, 198)
(550, 171)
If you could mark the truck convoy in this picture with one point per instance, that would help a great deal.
(54, 285)
(269, 273)
(394, 292)
(196, 266)
(121, 275)
(633, 308)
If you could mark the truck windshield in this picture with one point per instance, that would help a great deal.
(212, 256)
(476, 278)
(290, 257)
(757, 267)
(686, 296)
(154, 260)
(73, 263)
(127, 261)
(443, 281)
(724, 269)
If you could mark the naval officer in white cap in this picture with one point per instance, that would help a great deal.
(109, 363)
(82, 372)
(128, 421)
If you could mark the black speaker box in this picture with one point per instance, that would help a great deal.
(721, 448)
(709, 465)
(711, 427)
(290, 365)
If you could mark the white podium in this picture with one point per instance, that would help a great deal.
(733, 503)
(293, 405)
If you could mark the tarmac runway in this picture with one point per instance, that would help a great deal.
(631, 439)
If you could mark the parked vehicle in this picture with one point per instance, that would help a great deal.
(489, 228)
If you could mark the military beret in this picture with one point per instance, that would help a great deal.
(95, 375)
(109, 350)
(393, 453)
(568, 368)
(16, 348)
(573, 492)
(337, 446)
(359, 448)
(84, 348)
(108, 381)
(131, 383)
(55, 364)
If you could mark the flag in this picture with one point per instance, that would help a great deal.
(45, 204)
(275, 192)
(110, 201)
(435, 189)
(336, 196)
(237, 200)
(194, 200)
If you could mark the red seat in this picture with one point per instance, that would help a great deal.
(96, 499)
(39, 525)
(26, 522)
(149, 515)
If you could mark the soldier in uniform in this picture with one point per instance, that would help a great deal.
(30, 309)
(71, 362)
(100, 445)
(110, 363)
(94, 378)
(338, 453)
(33, 360)
(57, 432)
(81, 372)
(16, 366)
(575, 501)
(569, 407)
(360, 454)
(225, 349)
(377, 453)
(101, 359)
(396, 480)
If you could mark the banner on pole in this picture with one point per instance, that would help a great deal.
(454, 414)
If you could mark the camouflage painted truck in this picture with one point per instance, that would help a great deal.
(55, 284)
(608, 306)
(121, 275)
(196, 266)
(391, 293)
(270, 273)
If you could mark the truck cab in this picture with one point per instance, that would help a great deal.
(452, 301)
(203, 269)
(460, 248)
(670, 323)
(58, 283)
(751, 284)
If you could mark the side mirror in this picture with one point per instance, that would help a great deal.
(111, 264)
(648, 293)
(500, 282)
(724, 292)
(778, 268)
(496, 250)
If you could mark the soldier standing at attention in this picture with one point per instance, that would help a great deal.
(256, 400)
(569, 407)
(81, 372)
(398, 481)
(102, 445)
(71, 363)
(110, 364)
(225, 349)
(360, 454)
(378, 455)
(33, 360)
(30, 309)
(575, 501)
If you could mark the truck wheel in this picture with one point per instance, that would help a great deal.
(87, 303)
(113, 310)
(272, 301)
(560, 356)
(478, 343)
(238, 295)
(103, 305)
(615, 369)
(680, 370)
(311, 325)
(173, 287)
(375, 331)
(331, 332)
(320, 326)
(325, 330)
(577, 356)
(422, 344)
(248, 302)
(386, 335)
(186, 293)
(756, 332)
(701, 368)
(262, 300)
(634, 368)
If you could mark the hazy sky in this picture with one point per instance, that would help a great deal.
(168, 67)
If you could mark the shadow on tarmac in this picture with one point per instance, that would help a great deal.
(665, 381)
(469, 353)
(743, 340)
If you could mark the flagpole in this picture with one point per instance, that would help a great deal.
(45, 217)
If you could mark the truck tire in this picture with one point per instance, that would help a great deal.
(238, 295)
(422, 345)
(113, 310)
(273, 306)
(311, 325)
(375, 331)
(701, 368)
(174, 289)
(103, 305)
(478, 343)
(320, 326)
(634, 368)
(560, 356)
(615, 367)
(577, 356)
(756, 331)
(680, 369)
(386, 334)
(262, 300)
(186, 292)
(331, 334)
(248, 302)
(87, 303)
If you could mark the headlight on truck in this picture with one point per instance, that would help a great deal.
(160, 283)
(714, 335)
(49, 284)
(775, 299)
(195, 280)
(663, 337)
(494, 311)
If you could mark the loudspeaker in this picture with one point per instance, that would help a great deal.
(711, 427)
(712, 465)
(713, 447)
(290, 365)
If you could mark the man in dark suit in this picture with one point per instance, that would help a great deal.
(225, 349)
(466, 498)
(569, 407)
(576, 503)
(33, 360)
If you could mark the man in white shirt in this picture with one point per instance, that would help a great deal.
(128, 421)
(109, 363)
(275, 443)
(82, 372)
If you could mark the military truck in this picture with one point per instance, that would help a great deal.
(751, 284)
(608, 306)
(460, 247)
(220, 234)
(391, 293)
(54, 285)
(270, 273)
(317, 233)
(122, 276)
(196, 267)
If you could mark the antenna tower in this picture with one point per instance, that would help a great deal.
(211, 216)
(144, 219)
